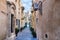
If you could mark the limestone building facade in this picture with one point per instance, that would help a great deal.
(3, 19)
(9, 12)
(18, 14)
(22, 16)
(48, 20)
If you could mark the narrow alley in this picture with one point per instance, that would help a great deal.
(29, 19)
(25, 35)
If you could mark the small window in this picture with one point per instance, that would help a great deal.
(46, 36)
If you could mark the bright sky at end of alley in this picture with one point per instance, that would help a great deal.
(27, 4)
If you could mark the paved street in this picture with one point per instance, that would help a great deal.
(25, 35)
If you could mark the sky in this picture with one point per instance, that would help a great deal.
(27, 4)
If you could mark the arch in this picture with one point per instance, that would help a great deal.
(10, 4)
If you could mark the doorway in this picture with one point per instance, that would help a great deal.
(12, 17)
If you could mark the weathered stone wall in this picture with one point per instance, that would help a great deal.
(38, 24)
(3, 19)
(48, 27)
(50, 21)
(56, 20)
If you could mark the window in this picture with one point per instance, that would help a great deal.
(18, 23)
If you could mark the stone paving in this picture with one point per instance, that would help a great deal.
(25, 35)
(12, 37)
